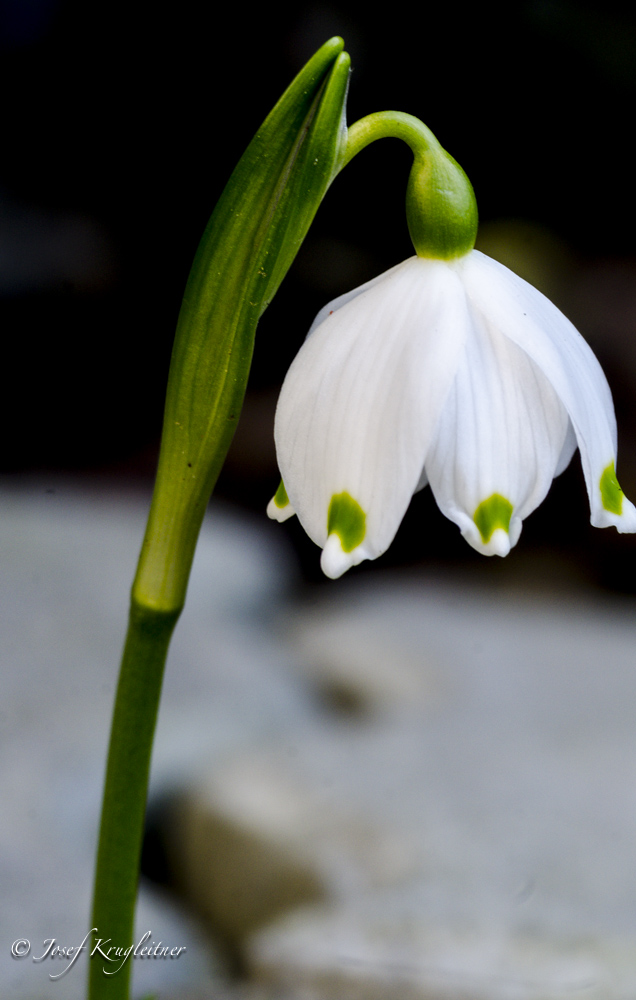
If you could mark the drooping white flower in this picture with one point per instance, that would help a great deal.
(456, 373)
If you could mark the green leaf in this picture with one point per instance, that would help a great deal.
(251, 240)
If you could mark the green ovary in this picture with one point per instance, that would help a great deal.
(346, 519)
(280, 497)
(493, 513)
(611, 493)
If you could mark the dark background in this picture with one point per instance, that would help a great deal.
(120, 127)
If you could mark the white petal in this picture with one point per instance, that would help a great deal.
(335, 561)
(279, 514)
(499, 440)
(422, 481)
(558, 349)
(360, 402)
(569, 447)
(279, 507)
(342, 300)
(499, 543)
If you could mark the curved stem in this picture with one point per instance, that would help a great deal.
(389, 125)
(441, 211)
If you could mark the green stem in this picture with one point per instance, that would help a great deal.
(389, 125)
(158, 595)
(441, 211)
(124, 805)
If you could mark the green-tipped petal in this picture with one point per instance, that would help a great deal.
(279, 507)
(360, 404)
(543, 333)
(346, 531)
(611, 493)
(493, 515)
(500, 437)
(347, 520)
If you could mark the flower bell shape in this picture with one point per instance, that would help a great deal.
(453, 372)
(456, 373)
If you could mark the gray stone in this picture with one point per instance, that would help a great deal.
(513, 788)
(252, 840)
(386, 947)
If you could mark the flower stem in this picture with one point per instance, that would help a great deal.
(157, 598)
(441, 210)
(124, 804)
(389, 125)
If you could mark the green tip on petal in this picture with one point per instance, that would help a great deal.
(611, 493)
(279, 507)
(491, 515)
(280, 497)
(347, 520)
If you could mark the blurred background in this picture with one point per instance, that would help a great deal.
(120, 130)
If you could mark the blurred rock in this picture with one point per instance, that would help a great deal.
(375, 951)
(356, 670)
(252, 840)
(507, 799)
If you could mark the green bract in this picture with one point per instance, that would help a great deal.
(252, 238)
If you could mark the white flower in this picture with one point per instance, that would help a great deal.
(456, 373)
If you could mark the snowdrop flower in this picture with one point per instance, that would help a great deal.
(459, 374)
(453, 372)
